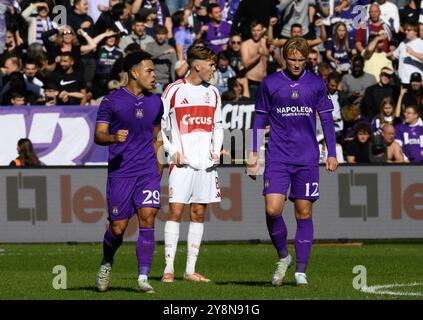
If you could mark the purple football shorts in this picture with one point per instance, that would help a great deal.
(304, 181)
(126, 195)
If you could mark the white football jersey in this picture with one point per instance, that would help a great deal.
(191, 114)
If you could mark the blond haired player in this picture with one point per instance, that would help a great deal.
(192, 136)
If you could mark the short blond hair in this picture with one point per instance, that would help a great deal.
(296, 44)
(200, 53)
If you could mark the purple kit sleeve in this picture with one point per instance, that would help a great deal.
(329, 132)
(260, 122)
(261, 117)
(158, 120)
(105, 111)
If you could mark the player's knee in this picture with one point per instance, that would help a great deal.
(302, 213)
(197, 217)
(118, 230)
(273, 211)
(147, 222)
(197, 214)
(175, 215)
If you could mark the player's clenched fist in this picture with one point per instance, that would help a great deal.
(121, 135)
(179, 159)
(331, 164)
(253, 166)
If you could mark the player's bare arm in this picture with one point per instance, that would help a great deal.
(102, 136)
(253, 166)
(158, 143)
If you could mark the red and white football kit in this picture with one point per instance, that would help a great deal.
(192, 120)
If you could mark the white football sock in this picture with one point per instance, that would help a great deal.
(142, 277)
(195, 234)
(171, 235)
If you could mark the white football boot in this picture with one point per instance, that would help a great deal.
(103, 277)
(301, 279)
(281, 266)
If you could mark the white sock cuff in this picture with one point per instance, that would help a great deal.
(172, 227)
(196, 227)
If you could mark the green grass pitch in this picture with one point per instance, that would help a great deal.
(238, 271)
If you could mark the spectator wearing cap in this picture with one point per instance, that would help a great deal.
(374, 94)
(411, 96)
(137, 35)
(374, 57)
(107, 55)
(163, 17)
(51, 93)
(414, 95)
(69, 81)
(216, 32)
(164, 57)
(409, 53)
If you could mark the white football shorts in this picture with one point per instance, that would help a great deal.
(188, 185)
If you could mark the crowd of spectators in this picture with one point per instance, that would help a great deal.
(369, 53)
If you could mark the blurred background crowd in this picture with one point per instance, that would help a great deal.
(370, 55)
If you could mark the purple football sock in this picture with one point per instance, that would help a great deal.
(303, 241)
(110, 245)
(145, 250)
(278, 233)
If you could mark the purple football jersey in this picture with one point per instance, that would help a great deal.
(139, 115)
(411, 140)
(216, 37)
(291, 106)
